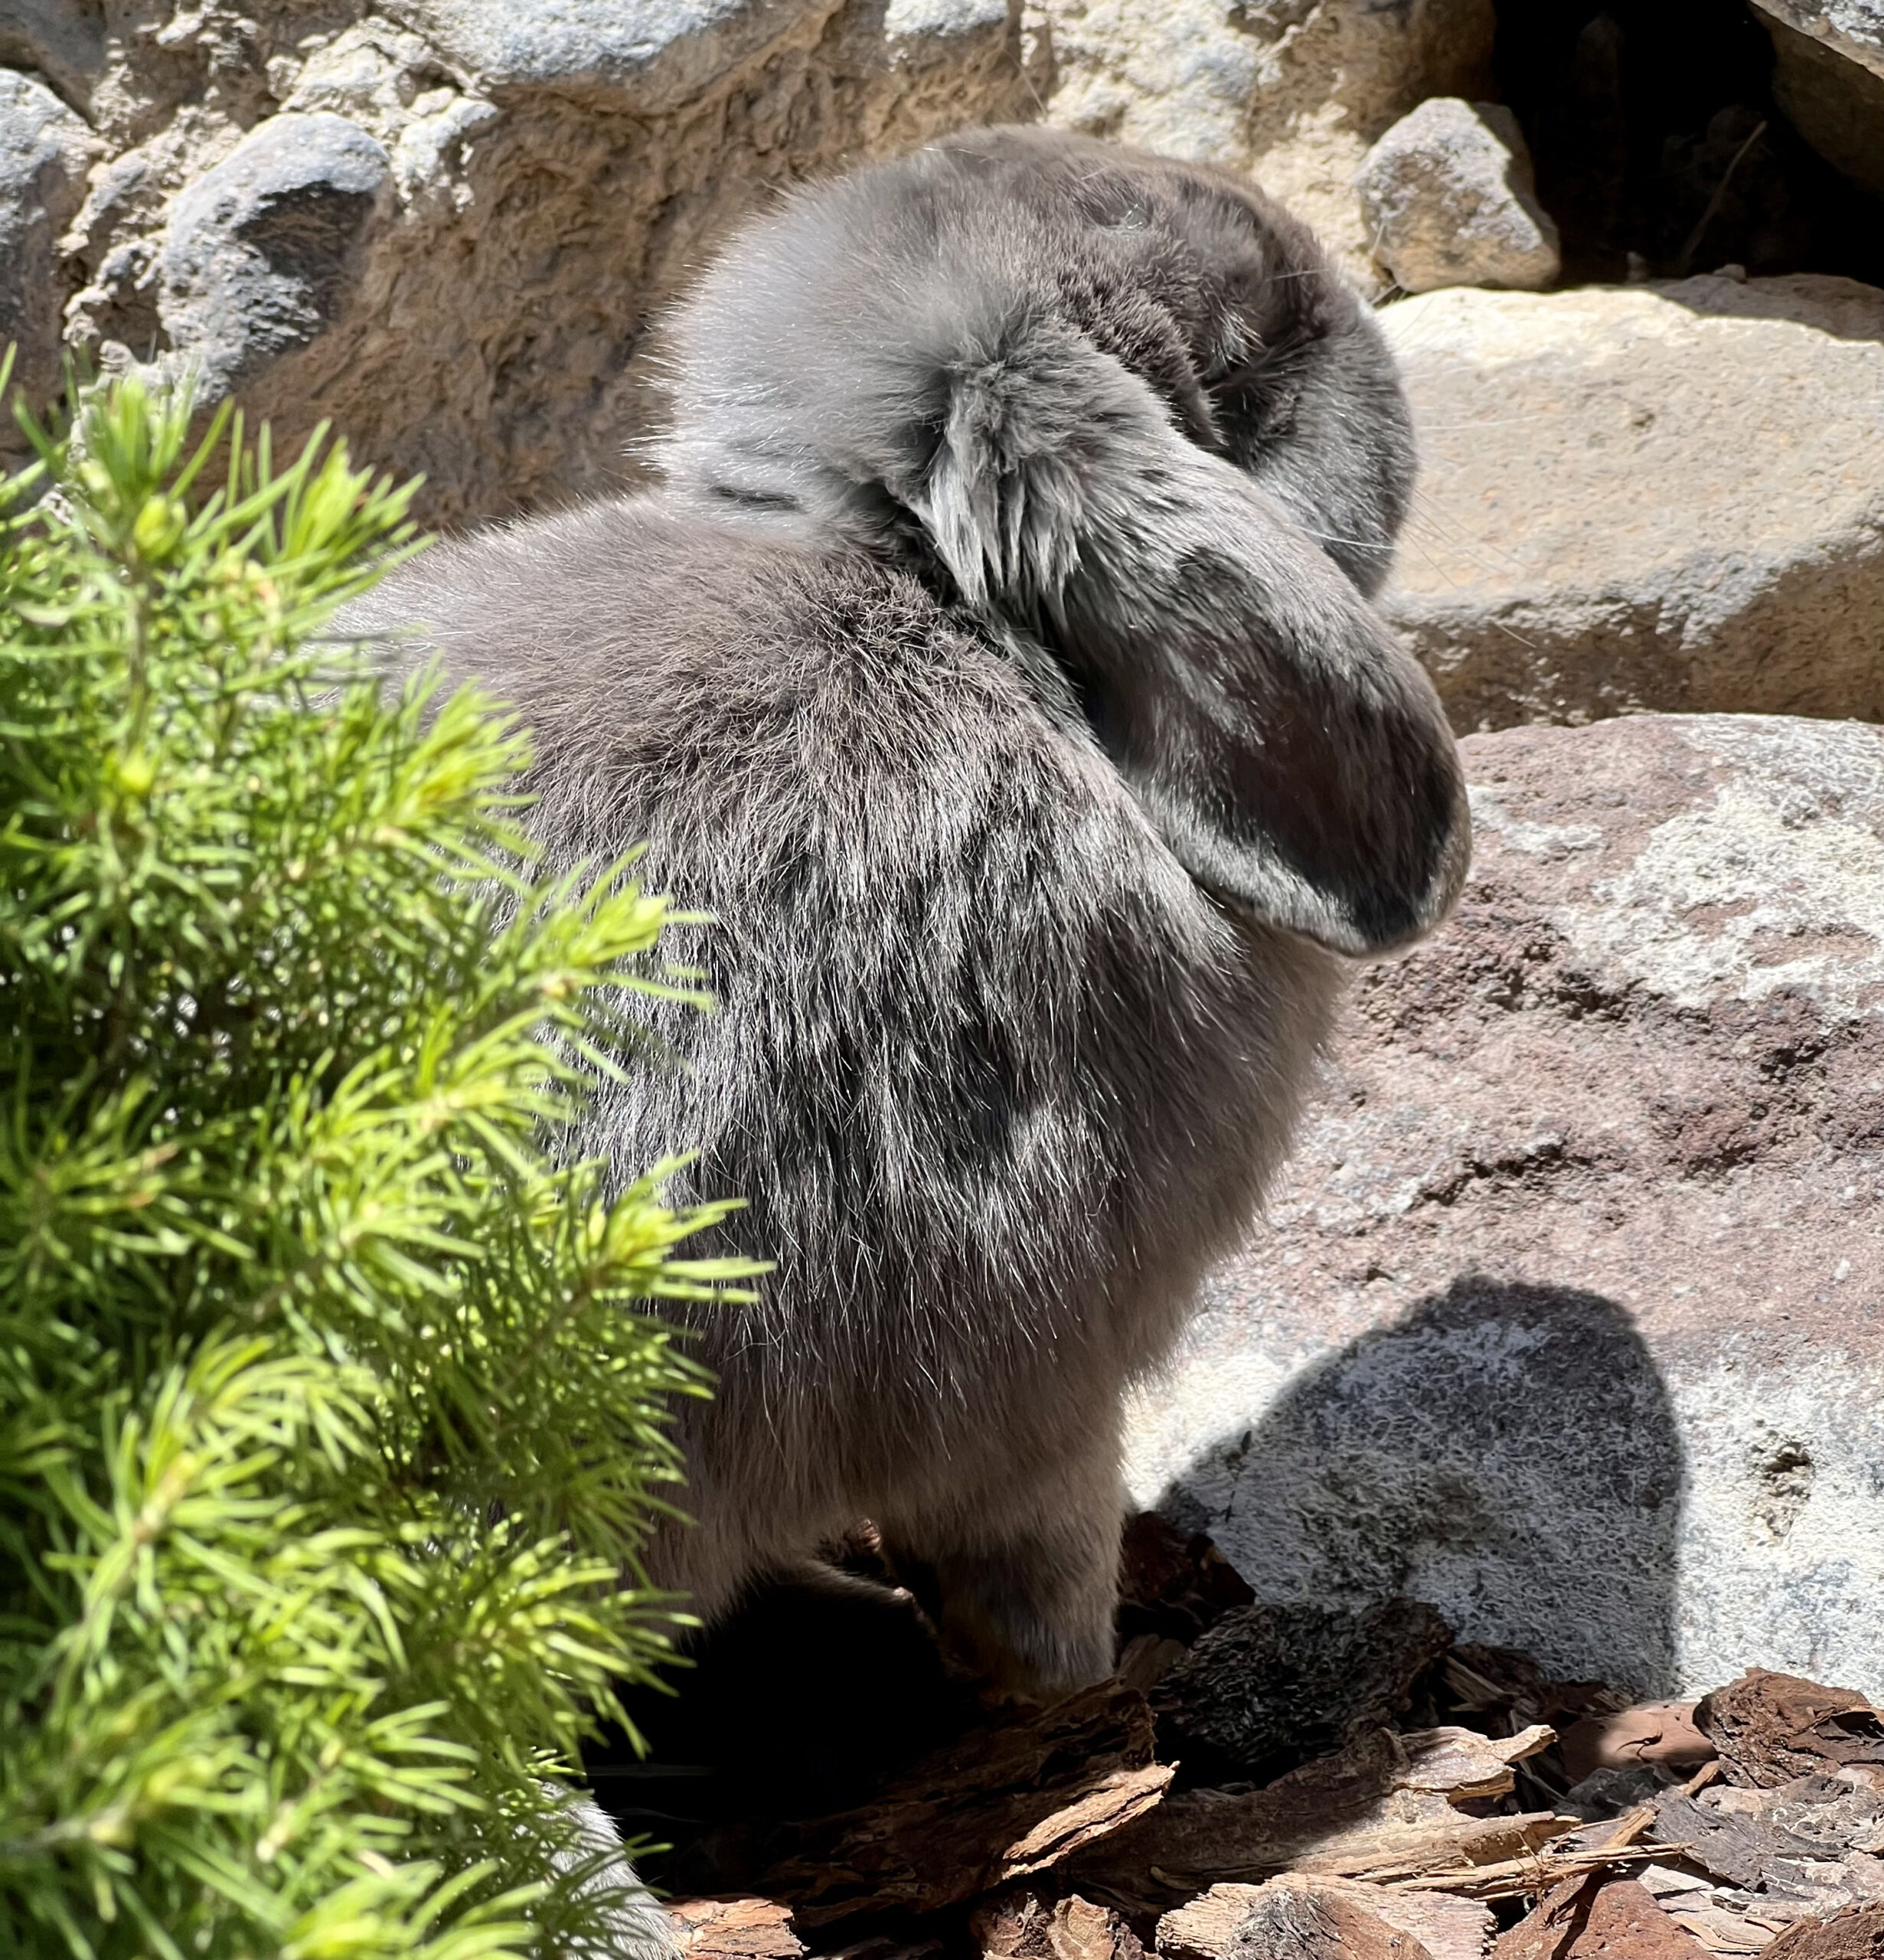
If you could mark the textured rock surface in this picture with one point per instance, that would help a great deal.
(450, 225)
(1569, 1318)
(259, 252)
(1668, 497)
(1448, 198)
(44, 152)
(1293, 91)
(1828, 76)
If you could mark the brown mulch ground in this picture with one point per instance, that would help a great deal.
(1256, 1782)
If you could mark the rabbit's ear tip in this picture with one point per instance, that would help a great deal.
(1371, 910)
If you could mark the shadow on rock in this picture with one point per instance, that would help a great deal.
(1507, 1452)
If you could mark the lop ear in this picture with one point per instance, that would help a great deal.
(1296, 760)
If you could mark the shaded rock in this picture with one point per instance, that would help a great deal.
(1667, 497)
(1448, 199)
(1293, 95)
(44, 152)
(1828, 75)
(64, 40)
(1268, 1687)
(1569, 1316)
(261, 254)
(1656, 140)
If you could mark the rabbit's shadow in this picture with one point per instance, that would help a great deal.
(1506, 1451)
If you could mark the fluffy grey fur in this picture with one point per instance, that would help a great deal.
(996, 668)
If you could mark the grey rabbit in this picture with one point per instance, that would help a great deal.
(995, 667)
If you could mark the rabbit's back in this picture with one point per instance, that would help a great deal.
(995, 1078)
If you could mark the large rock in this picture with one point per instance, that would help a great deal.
(1828, 75)
(1449, 198)
(1666, 497)
(261, 251)
(450, 226)
(1569, 1315)
(1294, 92)
(44, 152)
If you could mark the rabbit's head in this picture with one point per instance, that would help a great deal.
(1123, 407)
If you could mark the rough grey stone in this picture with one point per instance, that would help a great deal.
(45, 150)
(1448, 199)
(63, 39)
(1855, 28)
(260, 253)
(651, 56)
(555, 171)
(1290, 91)
(1568, 1317)
(1828, 76)
(1666, 496)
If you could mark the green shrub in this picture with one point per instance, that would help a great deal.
(326, 1429)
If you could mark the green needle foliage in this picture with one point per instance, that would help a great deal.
(329, 1421)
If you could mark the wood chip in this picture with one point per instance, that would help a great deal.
(1447, 1929)
(733, 1929)
(1855, 1935)
(1024, 1925)
(999, 1805)
(1383, 1810)
(1721, 1933)
(1528, 1876)
(1770, 1728)
(1589, 1917)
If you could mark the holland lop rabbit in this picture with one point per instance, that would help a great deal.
(996, 668)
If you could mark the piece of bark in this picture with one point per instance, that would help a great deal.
(1482, 1680)
(732, 1929)
(1173, 1583)
(1590, 1916)
(1551, 1924)
(1764, 1839)
(1661, 1732)
(1724, 1933)
(1382, 1810)
(1294, 1918)
(1026, 1926)
(1769, 1728)
(995, 1806)
(1269, 1686)
(1447, 1929)
(1853, 1935)
(1531, 1872)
